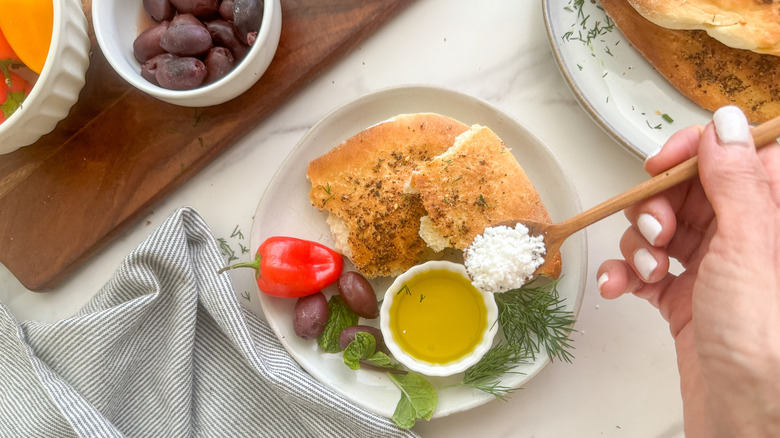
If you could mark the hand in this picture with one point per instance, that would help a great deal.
(724, 308)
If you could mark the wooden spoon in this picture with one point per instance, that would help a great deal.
(555, 234)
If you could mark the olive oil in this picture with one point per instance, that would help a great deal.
(438, 316)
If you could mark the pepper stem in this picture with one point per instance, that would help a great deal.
(254, 264)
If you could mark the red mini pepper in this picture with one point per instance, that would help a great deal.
(290, 267)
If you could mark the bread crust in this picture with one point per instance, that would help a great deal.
(741, 24)
(361, 182)
(474, 184)
(703, 69)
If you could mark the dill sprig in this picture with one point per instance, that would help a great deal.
(486, 374)
(534, 317)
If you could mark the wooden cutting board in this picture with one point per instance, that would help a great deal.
(120, 151)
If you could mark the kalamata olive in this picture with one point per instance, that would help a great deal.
(149, 68)
(159, 10)
(348, 335)
(199, 8)
(181, 73)
(219, 62)
(186, 39)
(247, 16)
(186, 19)
(147, 44)
(358, 294)
(310, 315)
(224, 34)
(226, 10)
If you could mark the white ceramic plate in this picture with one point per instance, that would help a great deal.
(618, 88)
(285, 210)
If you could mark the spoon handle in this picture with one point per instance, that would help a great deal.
(764, 134)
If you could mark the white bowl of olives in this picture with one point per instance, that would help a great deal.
(189, 52)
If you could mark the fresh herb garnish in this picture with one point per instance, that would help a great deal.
(486, 374)
(226, 250)
(533, 317)
(328, 190)
(588, 32)
(418, 399)
(363, 350)
(198, 116)
(340, 318)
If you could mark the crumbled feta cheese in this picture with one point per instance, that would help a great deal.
(504, 258)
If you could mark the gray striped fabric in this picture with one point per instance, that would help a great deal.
(165, 350)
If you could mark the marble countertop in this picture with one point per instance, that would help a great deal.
(623, 381)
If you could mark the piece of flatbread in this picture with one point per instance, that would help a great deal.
(475, 184)
(703, 69)
(360, 183)
(741, 24)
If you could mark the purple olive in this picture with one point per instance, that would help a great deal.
(348, 335)
(186, 19)
(150, 67)
(224, 34)
(159, 10)
(310, 315)
(247, 16)
(147, 44)
(226, 10)
(181, 73)
(219, 62)
(186, 39)
(199, 8)
(358, 294)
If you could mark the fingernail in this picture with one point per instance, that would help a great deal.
(645, 263)
(653, 153)
(731, 126)
(649, 227)
(603, 279)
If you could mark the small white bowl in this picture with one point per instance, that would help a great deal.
(116, 24)
(59, 84)
(422, 366)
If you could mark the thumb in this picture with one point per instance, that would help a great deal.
(732, 174)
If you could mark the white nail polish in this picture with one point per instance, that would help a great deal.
(603, 278)
(731, 126)
(645, 263)
(649, 227)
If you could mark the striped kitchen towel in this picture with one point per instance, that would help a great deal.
(165, 350)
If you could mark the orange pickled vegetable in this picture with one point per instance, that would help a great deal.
(27, 25)
(6, 52)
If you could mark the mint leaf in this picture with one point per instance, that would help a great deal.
(340, 318)
(363, 350)
(362, 347)
(418, 399)
(382, 360)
